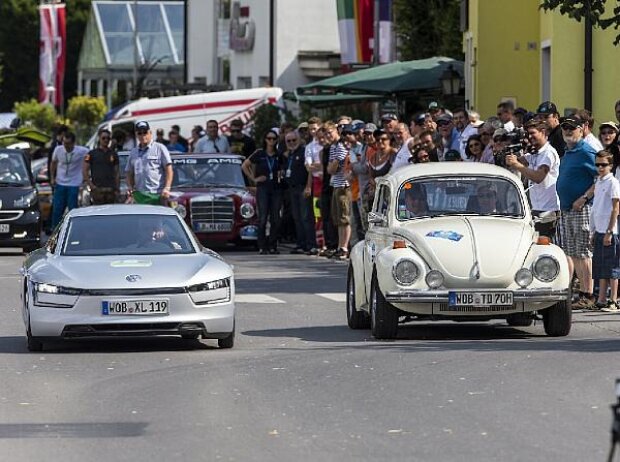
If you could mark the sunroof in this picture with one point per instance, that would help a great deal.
(160, 26)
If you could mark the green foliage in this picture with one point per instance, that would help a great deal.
(595, 10)
(42, 116)
(427, 28)
(266, 117)
(85, 112)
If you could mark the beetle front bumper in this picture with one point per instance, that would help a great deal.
(442, 296)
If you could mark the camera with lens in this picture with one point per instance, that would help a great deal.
(517, 143)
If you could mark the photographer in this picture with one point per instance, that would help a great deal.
(541, 168)
(505, 143)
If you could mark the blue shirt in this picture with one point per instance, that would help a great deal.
(147, 165)
(577, 174)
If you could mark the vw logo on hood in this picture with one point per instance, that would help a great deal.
(133, 277)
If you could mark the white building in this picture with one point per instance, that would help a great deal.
(229, 42)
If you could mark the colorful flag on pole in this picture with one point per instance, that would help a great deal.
(356, 30)
(52, 52)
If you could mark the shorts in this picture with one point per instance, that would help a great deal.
(103, 195)
(573, 234)
(341, 206)
(605, 261)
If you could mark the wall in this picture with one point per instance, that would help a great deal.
(201, 37)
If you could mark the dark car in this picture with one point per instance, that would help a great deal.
(20, 219)
(209, 192)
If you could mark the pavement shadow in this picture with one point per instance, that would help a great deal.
(73, 430)
(17, 345)
(446, 337)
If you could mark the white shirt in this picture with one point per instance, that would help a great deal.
(605, 189)
(206, 145)
(69, 167)
(594, 142)
(543, 195)
(402, 156)
(509, 126)
(468, 131)
(313, 156)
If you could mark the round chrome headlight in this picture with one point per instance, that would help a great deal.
(524, 277)
(247, 210)
(434, 279)
(546, 268)
(181, 210)
(405, 272)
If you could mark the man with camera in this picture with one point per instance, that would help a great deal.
(541, 168)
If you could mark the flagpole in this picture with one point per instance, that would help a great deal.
(376, 39)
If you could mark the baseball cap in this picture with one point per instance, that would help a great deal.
(389, 116)
(572, 121)
(547, 108)
(142, 125)
(500, 133)
(347, 128)
(520, 110)
(420, 119)
(302, 125)
(356, 126)
(609, 124)
(370, 127)
(444, 118)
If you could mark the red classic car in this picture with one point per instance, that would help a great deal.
(209, 192)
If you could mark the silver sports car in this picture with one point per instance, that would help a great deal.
(126, 270)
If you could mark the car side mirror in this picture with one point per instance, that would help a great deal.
(376, 218)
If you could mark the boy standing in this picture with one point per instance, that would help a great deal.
(604, 232)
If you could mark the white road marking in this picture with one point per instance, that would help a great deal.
(335, 296)
(256, 298)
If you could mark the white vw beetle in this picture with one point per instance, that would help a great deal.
(455, 240)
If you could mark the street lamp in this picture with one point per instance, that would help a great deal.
(450, 81)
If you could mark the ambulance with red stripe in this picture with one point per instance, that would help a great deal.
(186, 111)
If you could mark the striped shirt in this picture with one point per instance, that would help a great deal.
(338, 152)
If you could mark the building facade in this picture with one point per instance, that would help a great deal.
(514, 50)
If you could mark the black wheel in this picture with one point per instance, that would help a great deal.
(557, 319)
(356, 319)
(520, 319)
(34, 344)
(227, 342)
(383, 316)
(190, 336)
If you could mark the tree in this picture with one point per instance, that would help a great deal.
(85, 112)
(427, 28)
(42, 116)
(579, 10)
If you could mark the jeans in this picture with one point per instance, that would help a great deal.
(269, 202)
(303, 217)
(64, 197)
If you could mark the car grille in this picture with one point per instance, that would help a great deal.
(10, 215)
(443, 307)
(216, 210)
(120, 329)
(134, 292)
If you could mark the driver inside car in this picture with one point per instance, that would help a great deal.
(5, 171)
(487, 199)
(416, 204)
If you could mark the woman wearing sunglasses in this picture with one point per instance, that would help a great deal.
(264, 168)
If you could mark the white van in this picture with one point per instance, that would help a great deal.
(186, 111)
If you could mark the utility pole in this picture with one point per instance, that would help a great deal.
(376, 40)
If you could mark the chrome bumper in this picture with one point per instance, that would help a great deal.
(441, 296)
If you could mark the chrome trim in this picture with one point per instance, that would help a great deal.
(441, 296)
(397, 262)
(18, 214)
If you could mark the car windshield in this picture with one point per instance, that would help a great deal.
(100, 235)
(13, 170)
(430, 197)
(200, 172)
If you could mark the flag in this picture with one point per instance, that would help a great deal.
(52, 52)
(356, 30)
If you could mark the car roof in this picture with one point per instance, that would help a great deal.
(447, 169)
(122, 209)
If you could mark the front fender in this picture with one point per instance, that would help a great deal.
(385, 261)
(563, 280)
(356, 257)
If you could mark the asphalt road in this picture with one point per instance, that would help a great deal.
(300, 386)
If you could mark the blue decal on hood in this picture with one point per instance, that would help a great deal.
(450, 235)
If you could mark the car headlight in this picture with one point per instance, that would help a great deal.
(405, 272)
(54, 296)
(210, 292)
(434, 279)
(524, 277)
(546, 268)
(179, 208)
(247, 210)
(26, 200)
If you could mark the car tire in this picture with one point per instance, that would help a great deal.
(520, 319)
(383, 316)
(227, 342)
(355, 319)
(557, 319)
(33, 343)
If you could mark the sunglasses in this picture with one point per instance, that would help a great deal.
(568, 128)
(608, 132)
(105, 138)
(602, 165)
(141, 132)
(443, 123)
(271, 138)
(384, 139)
(475, 144)
(291, 141)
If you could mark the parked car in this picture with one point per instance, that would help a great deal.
(126, 270)
(44, 191)
(20, 220)
(455, 241)
(209, 192)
